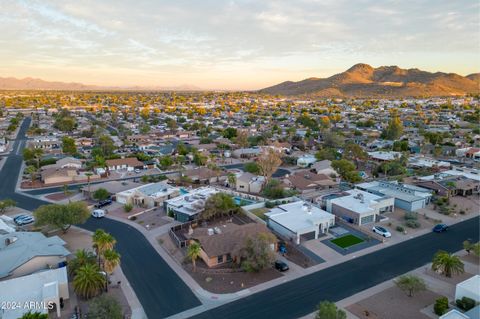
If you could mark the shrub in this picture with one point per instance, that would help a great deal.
(127, 208)
(462, 212)
(412, 223)
(133, 218)
(465, 303)
(441, 306)
(269, 204)
(400, 229)
(411, 216)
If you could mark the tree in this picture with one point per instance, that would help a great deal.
(251, 167)
(327, 153)
(32, 171)
(33, 154)
(62, 215)
(410, 284)
(88, 281)
(82, 258)
(34, 315)
(106, 145)
(166, 161)
(230, 132)
(104, 307)
(68, 146)
(447, 264)
(268, 162)
(468, 246)
(346, 169)
(193, 252)
(332, 140)
(273, 190)
(199, 159)
(65, 123)
(328, 310)
(232, 179)
(111, 260)
(258, 253)
(6, 204)
(101, 194)
(394, 129)
(355, 153)
(242, 138)
(441, 306)
(217, 205)
(102, 241)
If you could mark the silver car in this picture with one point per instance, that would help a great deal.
(381, 231)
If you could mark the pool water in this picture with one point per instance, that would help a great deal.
(242, 201)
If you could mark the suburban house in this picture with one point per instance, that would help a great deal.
(357, 206)
(246, 152)
(223, 244)
(187, 206)
(407, 197)
(128, 164)
(204, 175)
(148, 196)
(112, 187)
(66, 162)
(323, 167)
(23, 253)
(469, 288)
(249, 183)
(384, 156)
(47, 286)
(306, 181)
(299, 220)
(448, 185)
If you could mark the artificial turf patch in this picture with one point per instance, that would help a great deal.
(347, 241)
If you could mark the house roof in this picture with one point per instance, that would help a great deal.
(305, 180)
(25, 246)
(113, 187)
(299, 216)
(130, 161)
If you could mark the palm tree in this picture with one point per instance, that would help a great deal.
(447, 264)
(193, 252)
(88, 174)
(111, 260)
(89, 281)
(102, 241)
(32, 171)
(82, 258)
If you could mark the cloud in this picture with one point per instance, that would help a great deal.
(225, 39)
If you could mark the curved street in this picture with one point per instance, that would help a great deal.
(162, 293)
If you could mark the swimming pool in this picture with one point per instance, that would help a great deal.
(183, 191)
(242, 201)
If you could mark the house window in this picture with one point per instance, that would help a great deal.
(229, 257)
(220, 259)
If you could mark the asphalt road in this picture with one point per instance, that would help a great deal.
(160, 291)
(299, 297)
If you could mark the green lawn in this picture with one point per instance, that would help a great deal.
(347, 241)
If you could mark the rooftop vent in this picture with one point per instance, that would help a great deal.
(210, 231)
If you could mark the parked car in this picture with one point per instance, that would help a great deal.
(440, 228)
(19, 217)
(137, 170)
(98, 213)
(281, 266)
(25, 221)
(381, 231)
(103, 203)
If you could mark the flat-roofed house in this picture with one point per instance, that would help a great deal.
(148, 196)
(299, 220)
(186, 207)
(359, 207)
(128, 164)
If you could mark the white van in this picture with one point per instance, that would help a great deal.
(98, 213)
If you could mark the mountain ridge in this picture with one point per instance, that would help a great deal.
(363, 80)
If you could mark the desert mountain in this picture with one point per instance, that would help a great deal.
(11, 83)
(362, 80)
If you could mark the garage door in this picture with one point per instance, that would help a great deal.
(308, 236)
(367, 219)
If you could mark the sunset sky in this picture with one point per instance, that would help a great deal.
(224, 44)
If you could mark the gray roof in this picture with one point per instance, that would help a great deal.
(25, 246)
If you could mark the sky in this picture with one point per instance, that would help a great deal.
(236, 45)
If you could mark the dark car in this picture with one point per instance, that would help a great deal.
(440, 228)
(103, 203)
(280, 265)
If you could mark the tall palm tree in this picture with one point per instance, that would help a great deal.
(193, 252)
(82, 258)
(89, 281)
(447, 264)
(32, 171)
(103, 241)
(88, 174)
(111, 260)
